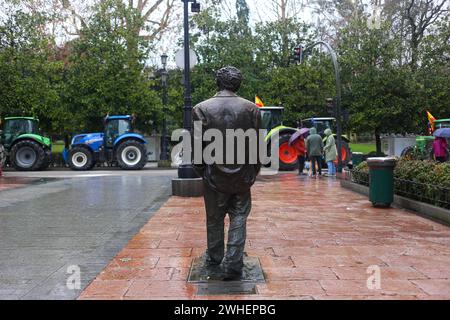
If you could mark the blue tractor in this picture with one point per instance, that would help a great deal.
(118, 144)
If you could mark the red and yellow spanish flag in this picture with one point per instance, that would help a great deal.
(431, 120)
(258, 102)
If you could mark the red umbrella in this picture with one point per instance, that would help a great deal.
(297, 134)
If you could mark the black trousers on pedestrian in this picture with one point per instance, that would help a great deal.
(238, 207)
(314, 160)
(301, 164)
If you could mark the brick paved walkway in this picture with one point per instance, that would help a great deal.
(315, 240)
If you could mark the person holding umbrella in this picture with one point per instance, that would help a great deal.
(440, 149)
(297, 140)
(440, 144)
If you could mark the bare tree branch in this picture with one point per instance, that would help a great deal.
(152, 9)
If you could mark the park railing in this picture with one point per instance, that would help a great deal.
(424, 192)
(434, 194)
(360, 177)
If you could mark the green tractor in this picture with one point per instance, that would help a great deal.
(422, 150)
(26, 149)
(272, 121)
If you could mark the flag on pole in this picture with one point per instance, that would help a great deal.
(431, 120)
(258, 102)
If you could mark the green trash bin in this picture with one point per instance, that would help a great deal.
(381, 181)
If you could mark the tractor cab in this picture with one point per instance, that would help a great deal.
(272, 121)
(441, 123)
(116, 126)
(271, 117)
(321, 124)
(118, 144)
(17, 126)
(25, 147)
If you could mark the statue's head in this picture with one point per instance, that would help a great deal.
(229, 78)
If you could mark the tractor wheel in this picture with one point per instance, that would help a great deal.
(345, 153)
(287, 155)
(46, 162)
(80, 158)
(408, 153)
(131, 155)
(2, 156)
(27, 155)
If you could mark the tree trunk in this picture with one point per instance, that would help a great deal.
(378, 142)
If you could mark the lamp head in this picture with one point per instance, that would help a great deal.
(164, 59)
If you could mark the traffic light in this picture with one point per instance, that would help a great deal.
(195, 7)
(298, 54)
(330, 107)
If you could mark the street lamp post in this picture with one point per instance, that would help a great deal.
(338, 94)
(185, 170)
(164, 76)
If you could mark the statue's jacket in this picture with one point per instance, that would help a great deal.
(225, 111)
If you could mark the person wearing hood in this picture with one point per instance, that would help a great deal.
(314, 148)
(330, 152)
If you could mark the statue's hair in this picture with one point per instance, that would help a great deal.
(229, 78)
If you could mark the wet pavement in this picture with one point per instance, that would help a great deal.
(313, 239)
(51, 226)
(8, 182)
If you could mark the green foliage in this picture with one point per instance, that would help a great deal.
(384, 96)
(426, 181)
(360, 174)
(105, 73)
(433, 75)
(376, 91)
(71, 88)
(428, 172)
(28, 74)
(264, 58)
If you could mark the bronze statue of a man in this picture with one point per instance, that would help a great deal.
(227, 186)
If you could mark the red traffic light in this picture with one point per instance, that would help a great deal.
(298, 54)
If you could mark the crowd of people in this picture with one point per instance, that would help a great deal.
(313, 148)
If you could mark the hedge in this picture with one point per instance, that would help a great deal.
(426, 181)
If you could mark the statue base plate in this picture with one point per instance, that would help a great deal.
(202, 272)
(210, 279)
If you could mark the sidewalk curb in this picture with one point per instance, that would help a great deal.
(426, 210)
